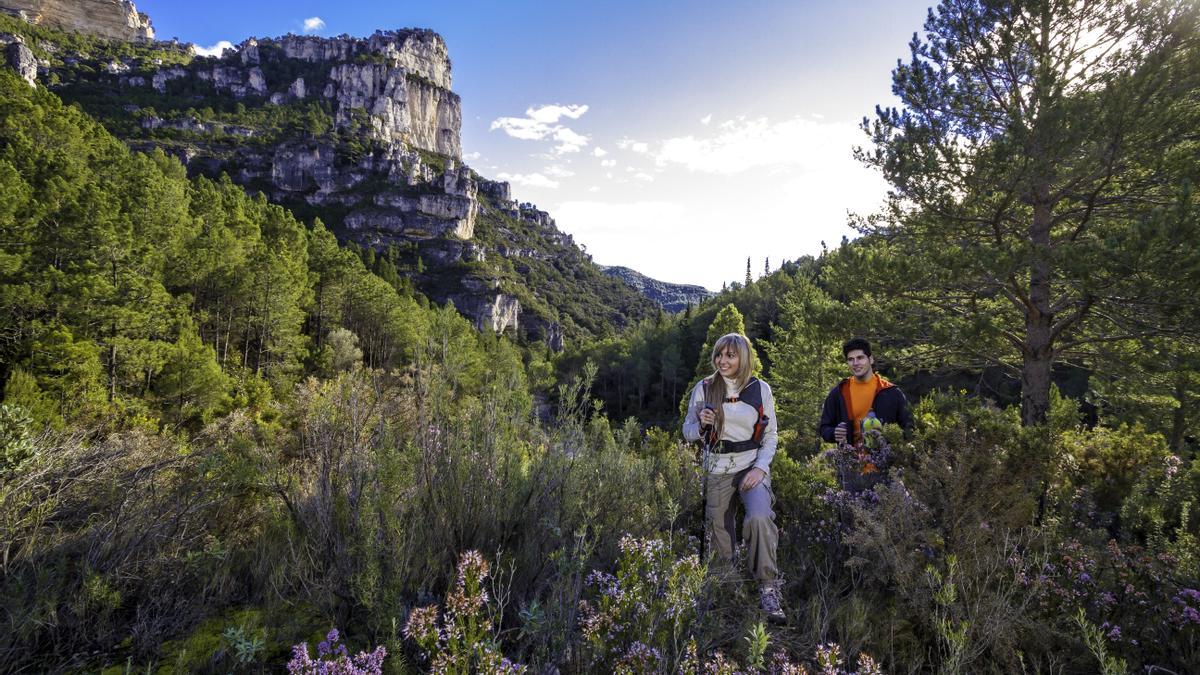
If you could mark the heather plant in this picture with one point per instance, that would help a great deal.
(1161, 510)
(642, 618)
(830, 661)
(464, 639)
(1144, 603)
(333, 658)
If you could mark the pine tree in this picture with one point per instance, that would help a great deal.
(1032, 149)
(806, 358)
(749, 279)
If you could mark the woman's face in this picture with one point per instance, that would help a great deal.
(728, 362)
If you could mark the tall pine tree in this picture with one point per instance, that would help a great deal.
(1034, 142)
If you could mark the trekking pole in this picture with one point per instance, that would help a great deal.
(705, 450)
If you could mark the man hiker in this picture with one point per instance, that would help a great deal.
(864, 394)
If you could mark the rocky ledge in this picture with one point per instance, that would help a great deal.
(114, 19)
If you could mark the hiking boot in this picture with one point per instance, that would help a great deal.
(771, 600)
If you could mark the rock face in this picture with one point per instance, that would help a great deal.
(402, 106)
(18, 57)
(116, 19)
(672, 297)
(400, 79)
(422, 52)
(395, 85)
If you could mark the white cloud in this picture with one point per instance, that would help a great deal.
(792, 180)
(599, 152)
(594, 188)
(743, 144)
(528, 180)
(568, 141)
(472, 155)
(313, 24)
(558, 171)
(215, 50)
(542, 123)
(636, 146)
(549, 114)
(706, 119)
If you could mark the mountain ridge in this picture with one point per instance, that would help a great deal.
(671, 296)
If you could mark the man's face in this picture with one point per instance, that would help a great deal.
(860, 364)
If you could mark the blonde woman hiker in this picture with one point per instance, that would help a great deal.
(734, 414)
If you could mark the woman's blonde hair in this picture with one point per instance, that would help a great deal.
(714, 392)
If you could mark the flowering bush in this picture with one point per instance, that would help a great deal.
(463, 642)
(640, 620)
(333, 658)
(829, 661)
(1141, 601)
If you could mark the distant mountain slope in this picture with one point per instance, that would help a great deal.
(672, 297)
(362, 133)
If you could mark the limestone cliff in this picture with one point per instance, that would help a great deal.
(362, 133)
(115, 19)
(18, 57)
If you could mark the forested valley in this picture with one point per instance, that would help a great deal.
(224, 434)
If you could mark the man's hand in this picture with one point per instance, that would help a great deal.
(839, 433)
(752, 479)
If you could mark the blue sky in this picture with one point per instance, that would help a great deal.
(676, 138)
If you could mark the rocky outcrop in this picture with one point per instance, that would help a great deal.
(161, 77)
(18, 57)
(114, 19)
(394, 86)
(490, 308)
(420, 52)
(672, 297)
(435, 118)
(402, 108)
(504, 313)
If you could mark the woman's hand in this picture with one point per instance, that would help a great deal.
(708, 417)
(753, 478)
